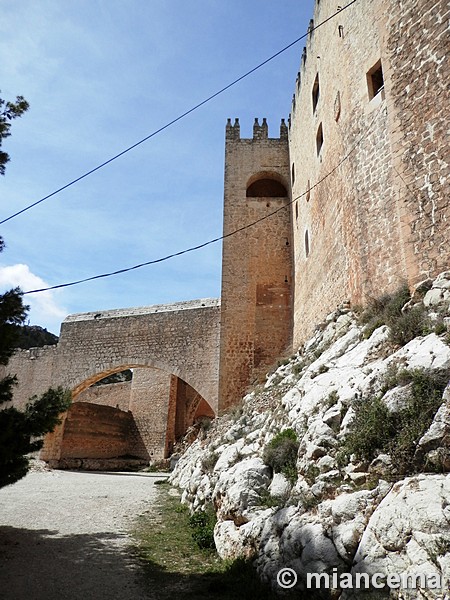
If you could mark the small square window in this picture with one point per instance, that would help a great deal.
(375, 80)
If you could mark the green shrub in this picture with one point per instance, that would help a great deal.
(332, 399)
(387, 310)
(209, 461)
(281, 454)
(202, 523)
(404, 327)
(378, 309)
(372, 428)
(298, 368)
(440, 327)
(312, 473)
(375, 429)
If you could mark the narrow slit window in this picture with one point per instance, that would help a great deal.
(319, 139)
(308, 191)
(293, 173)
(306, 243)
(315, 93)
(375, 80)
(296, 211)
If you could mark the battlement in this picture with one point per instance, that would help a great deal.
(260, 132)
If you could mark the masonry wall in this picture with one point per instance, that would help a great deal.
(36, 370)
(368, 227)
(417, 44)
(256, 263)
(117, 395)
(181, 338)
(150, 397)
(162, 344)
(94, 431)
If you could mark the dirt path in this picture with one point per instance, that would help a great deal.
(63, 536)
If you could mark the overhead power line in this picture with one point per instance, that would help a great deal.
(176, 119)
(222, 237)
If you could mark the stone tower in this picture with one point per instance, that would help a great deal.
(256, 318)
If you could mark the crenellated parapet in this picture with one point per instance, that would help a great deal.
(260, 131)
(233, 132)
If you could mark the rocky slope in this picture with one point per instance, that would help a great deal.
(367, 415)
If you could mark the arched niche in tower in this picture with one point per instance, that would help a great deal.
(266, 185)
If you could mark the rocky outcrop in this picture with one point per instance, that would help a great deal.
(357, 501)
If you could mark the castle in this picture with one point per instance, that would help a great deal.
(349, 201)
(363, 170)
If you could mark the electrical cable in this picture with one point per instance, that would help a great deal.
(176, 119)
(222, 237)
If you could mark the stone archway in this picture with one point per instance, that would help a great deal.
(139, 421)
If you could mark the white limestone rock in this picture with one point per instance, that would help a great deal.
(346, 517)
(280, 487)
(409, 531)
(239, 490)
(228, 455)
(234, 541)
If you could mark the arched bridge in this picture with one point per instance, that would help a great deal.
(173, 350)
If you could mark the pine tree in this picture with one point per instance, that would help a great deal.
(20, 431)
(8, 112)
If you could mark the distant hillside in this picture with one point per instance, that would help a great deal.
(33, 336)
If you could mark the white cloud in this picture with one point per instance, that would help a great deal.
(44, 308)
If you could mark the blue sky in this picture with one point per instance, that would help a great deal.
(100, 75)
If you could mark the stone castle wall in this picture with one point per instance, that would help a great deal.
(180, 339)
(346, 204)
(257, 261)
(382, 216)
(418, 47)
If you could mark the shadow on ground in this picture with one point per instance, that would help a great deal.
(43, 565)
(239, 582)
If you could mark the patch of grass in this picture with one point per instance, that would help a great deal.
(204, 424)
(176, 567)
(281, 454)
(283, 362)
(269, 501)
(236, 411)
(309, 501)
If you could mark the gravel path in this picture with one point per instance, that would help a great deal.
(63, 536)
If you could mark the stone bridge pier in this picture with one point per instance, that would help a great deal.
(173, 352)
